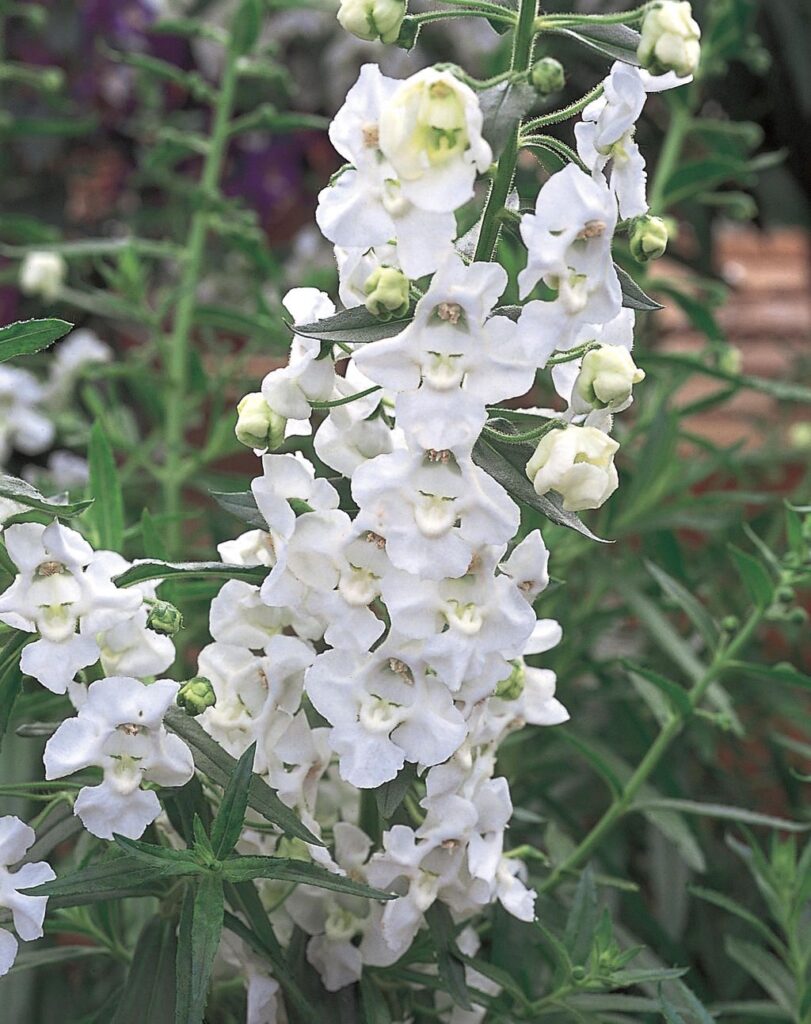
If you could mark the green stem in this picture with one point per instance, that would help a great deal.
(564, 113)
(565, 20)
(177, 360)
(470, 12)
(668, 733)
(669, 157)
(505, 171)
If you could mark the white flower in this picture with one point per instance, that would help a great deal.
(430, 132)
(43, 274)
(618, 331)
(120, 729)
(80, 349)
(356, 266)
(577, 463)
(670, 38)
(27, 912)
(527, 565)
(433, 511)
(62, 586)
(23, 423)
(606, 379)
(384, 711)
(353, 433)
(254, 547)
(239, 616)
(287, 478)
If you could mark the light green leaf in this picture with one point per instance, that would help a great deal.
(26, 337)
(755, 577)
(107, 514)
(676, 694)
(782, 672)
(724, 811)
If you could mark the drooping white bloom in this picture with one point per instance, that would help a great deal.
(43, 273)
(578, 464)
(527, 565)
(670, 38)
(23, 423)
(64, 592)
(119, 729)
(27, 912)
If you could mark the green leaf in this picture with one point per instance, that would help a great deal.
(26, 337)
(215, 762)
(632, 295)
(246, 26)
(449, 962)
(391, 794)
(152, 569)
(692, 607)
(724, 902)
(352, 327)
(582, 919)
(201, 921)
(696, 176)
(149, 991)
(21, 491)
(646, 976)
(241, 504)
(782, 672)
(111, 879)
(767, 971)
(724, 811)
(182, 862)
(755, 577)
(27, 959)
(154, 546)
(107, 514)
(594, 758)
(619, 42)
(373, 1002)
(241, 869)
(11, 677)
(499, 465)
(677, 695)
(227, 826)
(503, 106)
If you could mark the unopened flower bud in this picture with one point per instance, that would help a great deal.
(373, 19)
(577, 463)
(386, 292)
(547, 75)
(648, 239)
(258, 426)
(730, 360)
(799, 436)
(195, 695)
(42, 273)
(607, 377)
(164, 618)
(670, 39)
(512, 687)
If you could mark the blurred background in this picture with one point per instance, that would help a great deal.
(104, 109)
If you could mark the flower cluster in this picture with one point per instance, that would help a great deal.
(28, 912)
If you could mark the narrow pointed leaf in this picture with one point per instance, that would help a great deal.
(503, 105)
(10, 677)
(755, 577)
(632, 295)
(111, 879)
(302, 872)
(182, 862)
(149, 991)
(619, 42)
(21, 491)
(241, 504)
(107, 514)
(690, 605)
(26, 337)
(352, 327)
(227, 826)
(153, 569)
(201, 922)
(451, 967)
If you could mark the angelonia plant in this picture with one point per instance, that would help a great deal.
(376, 639)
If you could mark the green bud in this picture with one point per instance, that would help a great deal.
(512, 687)
(785, 595)
(373, 19)
(730, 623)
(164, 618)
(258, 426)
(797, 616)
(195, 695)
(730, 359)
(648, 239)
(547, 76)
(53, 79)
(386, 292)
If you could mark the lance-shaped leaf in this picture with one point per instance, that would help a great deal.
(182, 862)
(241, 504)
(26, 337)
(632, 295)
(449, 962)
(198, 937)
(107, 513)
(21, 491)
(391, 794)
(240, 869)
(111, 879)
(503, 105)
(500, 464)
(227, 826)
(10, 677)
(149, 991)
(619, 42)
(352, 327)
(218, 765)
(153, 569)
(690, 605)
(755, 577)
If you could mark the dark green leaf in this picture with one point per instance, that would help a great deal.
(201, 921)
(719, 899)
(503, 106)
(449, 962)
(692, 608)
(246, 26)
(352, 327)
(182, 862)
(10, 677)
(373, 1002)
(619, 42)
(22, 492)
(632, 295)
(241, 504)
(696, 176)
(755, 577)
(677, 695)
(390, 795)
(215, 762)
(723, 811)
(780, 673)
(645, 976)
(149, 991)
(595, 759)
(409, 31)
(582, 919)
(154, 546)
(227, 827)
(28, 959)
(767, 971)
(142, 571)
(26, 337)
(302, 872)
(107, 514)
(111, 879)
(497, 464)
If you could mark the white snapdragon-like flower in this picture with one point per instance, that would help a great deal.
(23, 423)
(254, 547)
(366, 204)
(433, 511)
(578, 464)
(383, 711)
(288, 481)
(618, 331)
(119, 729)
(431, 133)
(670, 38)
(43, 273)
(64, 592)
(528, 564)
(27, 912)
